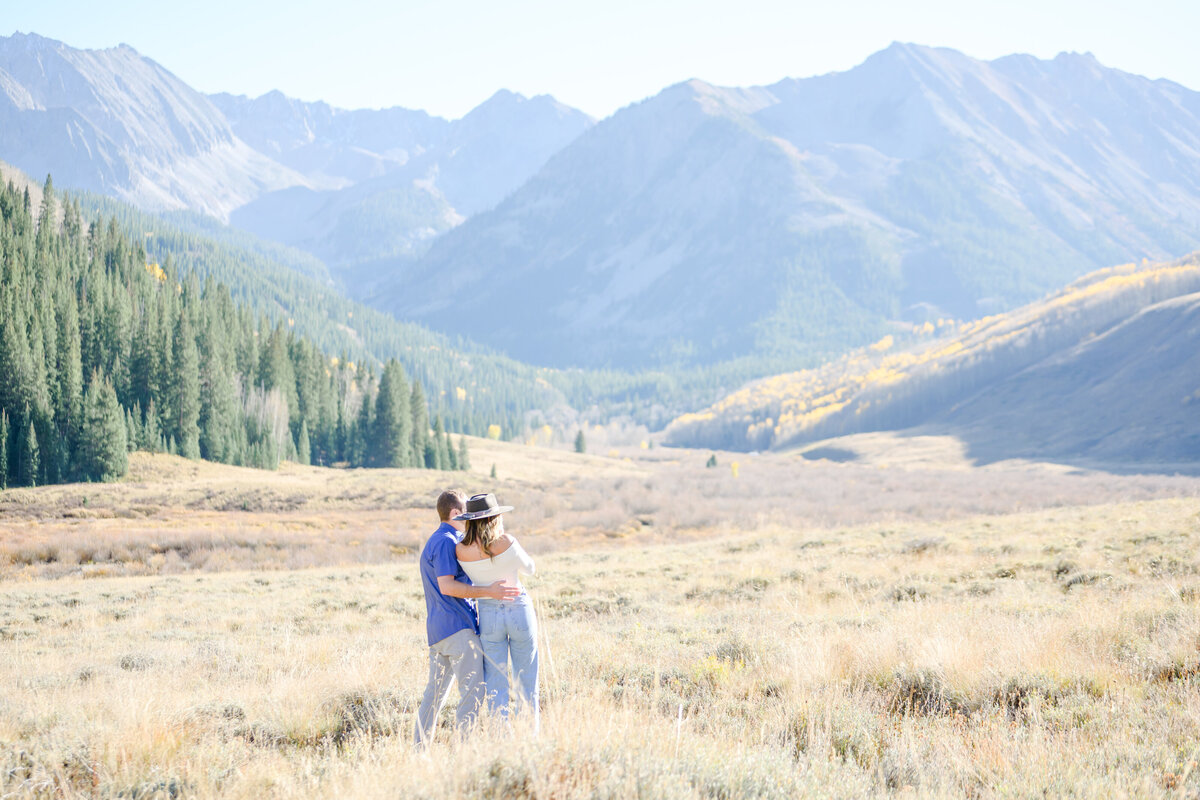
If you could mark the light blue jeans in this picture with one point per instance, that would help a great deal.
(509, 628)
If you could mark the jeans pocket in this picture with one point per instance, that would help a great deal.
(491, 625)
(523, 625)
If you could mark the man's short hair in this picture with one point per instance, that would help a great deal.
(450, 504)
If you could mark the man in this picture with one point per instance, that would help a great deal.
(451, 625)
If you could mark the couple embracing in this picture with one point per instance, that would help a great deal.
(477, 615)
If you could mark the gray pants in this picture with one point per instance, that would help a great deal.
(460, 657)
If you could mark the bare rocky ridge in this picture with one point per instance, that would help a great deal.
(114, 122)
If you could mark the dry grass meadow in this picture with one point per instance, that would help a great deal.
(902, 624)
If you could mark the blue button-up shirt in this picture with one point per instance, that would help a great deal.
(444, 615)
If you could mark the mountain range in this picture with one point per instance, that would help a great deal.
(699, 225)
(395, 178)
(708, 222)
(345, 185)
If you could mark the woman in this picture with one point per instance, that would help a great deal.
(506, 627)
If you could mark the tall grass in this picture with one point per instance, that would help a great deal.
(939, 659)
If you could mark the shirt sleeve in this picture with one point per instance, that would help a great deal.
(443, 558)
(527, 565)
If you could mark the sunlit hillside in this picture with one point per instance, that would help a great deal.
(1123, 314)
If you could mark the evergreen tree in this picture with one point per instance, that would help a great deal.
(16, 366)
(308, 366)
(430, 458)
(362, 434)
(277, 372)
(493, 472)
(3, 449)
(441, 458)
(42, 411)
(218, 401)
(451, 462)
(580, 442)
(131, 432)
(340, 433)
(464, 461)
(186, 405)
(145, 357)
(152, 437)
(392, 440)
(420, 425)
(69, 404)
(102, 455)
(29, 457)
(303, 447)
(324, 429)
(46, 217)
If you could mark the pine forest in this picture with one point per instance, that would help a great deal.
(103, 351)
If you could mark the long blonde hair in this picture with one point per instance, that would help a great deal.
(483, 532)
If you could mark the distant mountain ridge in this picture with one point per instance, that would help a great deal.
(705, 222)
(306, 174)
(114, 122)
(397, 178)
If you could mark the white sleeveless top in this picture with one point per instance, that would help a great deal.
(506, 567)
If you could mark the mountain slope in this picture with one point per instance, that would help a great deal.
(1106, 370)
(705, 222)
(114, 122)
(1131, 394)
(634, 223)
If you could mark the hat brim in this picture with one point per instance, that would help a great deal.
(491, 512)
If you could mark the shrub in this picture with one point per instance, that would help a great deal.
(921, 691)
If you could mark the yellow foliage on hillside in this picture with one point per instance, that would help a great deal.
(782, 408)
(884, 344)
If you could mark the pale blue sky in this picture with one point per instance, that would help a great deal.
(446, 57)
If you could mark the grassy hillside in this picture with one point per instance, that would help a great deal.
(1046, 358)
(759, 654)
